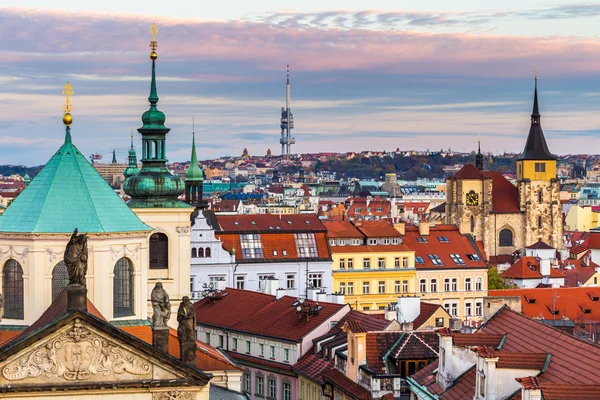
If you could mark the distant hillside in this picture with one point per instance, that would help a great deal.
(7, 170)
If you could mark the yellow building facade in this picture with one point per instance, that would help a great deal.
(581, 219)
(371, 277)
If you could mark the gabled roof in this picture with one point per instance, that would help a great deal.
(539, 245)
(347, 385)
(468, 172)
(505, 195)
(577, 272)
(69, 193)
(342, 230)
(574, 303)
(261, 314)
(313, 367)
(573, 361)
(529, 268)
(270, 223)
(435, 244)
(377, 229)
(427, 310)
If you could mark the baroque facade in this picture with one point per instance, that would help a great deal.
(505, 217)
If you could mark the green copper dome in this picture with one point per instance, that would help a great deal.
(154, 186)
(69, 193)
(194, 173)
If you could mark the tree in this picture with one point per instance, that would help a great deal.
(497, 281)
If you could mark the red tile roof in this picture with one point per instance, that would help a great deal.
(478, 339)
(346, 384)
(377, 346)
(261, 314)
(570, 392)
(507, 359)
(539, 245)
(577, 272)
(567, 302)
(594, 240)
(573, 360)
(529, 268)
(313, 367)
(361, 203)
(456, 244)
(342, 230)
(225, 206)
(7, 335)
(468, 171)
(267, 223)
(463, 388)
(207, 358)
(246, 359)
(276, 246)
(505, 195)
(377, 229)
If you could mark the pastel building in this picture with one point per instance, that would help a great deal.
(266, 335)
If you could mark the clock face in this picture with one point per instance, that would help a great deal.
(472, 198)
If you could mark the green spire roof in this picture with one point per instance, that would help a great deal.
(132, 169)
(194, 173)
(69, 193)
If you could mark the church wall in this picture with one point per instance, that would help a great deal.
(498, 222)
(175, 223)
(549, 209)
(39, 254)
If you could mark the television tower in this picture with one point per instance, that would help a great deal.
(287, 122)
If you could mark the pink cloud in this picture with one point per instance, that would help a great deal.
(101, 38)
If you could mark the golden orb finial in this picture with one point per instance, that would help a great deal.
(67, 107)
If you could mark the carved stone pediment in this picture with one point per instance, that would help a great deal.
(79, 353)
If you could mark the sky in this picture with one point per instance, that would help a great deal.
(420, 75)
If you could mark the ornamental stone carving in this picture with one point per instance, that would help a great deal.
(173, 395)
(77, 354)
(14, 252)
(183, 229)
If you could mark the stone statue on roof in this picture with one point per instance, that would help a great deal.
(161, 306)
(186, 316)
(76, 258)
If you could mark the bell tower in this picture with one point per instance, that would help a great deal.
(538, 185)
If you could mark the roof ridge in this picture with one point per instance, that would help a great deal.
(85, 184)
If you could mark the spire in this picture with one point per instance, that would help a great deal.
(194, 173)
(479, 156)
(132, 168)
(114, 160)
(153, 118)
(535, 114)
(67, 117)
(536, 147)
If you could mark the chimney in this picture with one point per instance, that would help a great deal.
(336, 298)
(271, 286)
(321, 296)
(400, 227)
(424, 229)
(545, 267)
(221, 284)
(408, 309)
(444, 376)
(280, 293)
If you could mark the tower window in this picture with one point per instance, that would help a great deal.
(506, 237)
(540, 221)
(540, 167)
(159, 251)
(540, 197)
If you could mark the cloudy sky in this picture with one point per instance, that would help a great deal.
(398, 74)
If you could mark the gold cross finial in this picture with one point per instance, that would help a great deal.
(68, 91)
(478, 138)
(153, 32)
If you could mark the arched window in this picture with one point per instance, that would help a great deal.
(200, 252)
(506, 237)
(12, 289)
(123, 298)
(472, 224)
(159, 251)
(207, 252)
(60, 279)
(194, 252)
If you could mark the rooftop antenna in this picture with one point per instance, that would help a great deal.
(287, 120)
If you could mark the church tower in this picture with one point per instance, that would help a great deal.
(154, 193)
(193, 179)
(132, 168)
(538, 185)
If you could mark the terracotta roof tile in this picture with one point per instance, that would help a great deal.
(313, 367)
(427, 310)
(377, 346)
(264, 223)
(463, 388)
(567, 302)
(244, 358)
(529, 268)
(573, 360)
(342, 230)
(262, 314)
(539, 245)
(436, 244)
(515, 360)
(577, 272)
(468, 171)
(207, 358)
(378, 248)
(377, 229)
(505, 195)
(347, 385)
(570, 392)
(477, 339)
(424, 376)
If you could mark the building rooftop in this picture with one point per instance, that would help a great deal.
(313, 367)
(436, 250)
(69, 193)
(377, 229)
(261, 314)
(342, 230)
(266, 223)
(529, 268)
